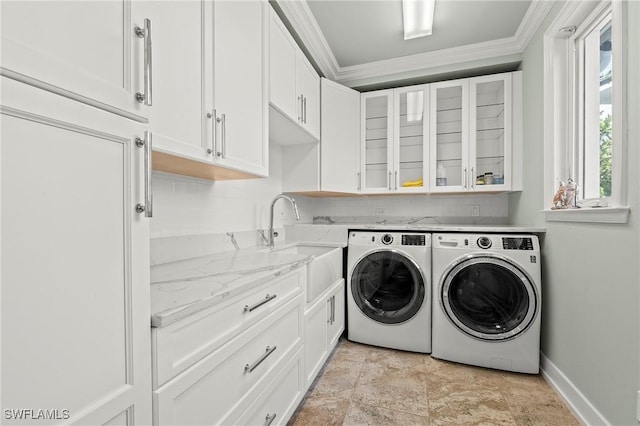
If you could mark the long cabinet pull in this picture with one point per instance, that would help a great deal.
(147, 143)
(389, 181)
(358, 182)
(464, 181)
(268, 298)
(333, 309)
(145, 33)
(212, 115)
(300, 109)
(224, 135)
(269, 419)
(248, 368)
(473, 179)
(395, 181)
(304, 109)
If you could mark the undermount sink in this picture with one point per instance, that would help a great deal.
(324, 270)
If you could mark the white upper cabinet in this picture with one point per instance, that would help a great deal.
(88, 51)
(394, 149)
(240, 96)
(294, 91)
(475, 142)
(332, 164)
(181, 32)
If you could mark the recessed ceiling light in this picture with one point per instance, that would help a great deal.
(418, 18)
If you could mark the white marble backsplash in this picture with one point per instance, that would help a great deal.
(171, 249)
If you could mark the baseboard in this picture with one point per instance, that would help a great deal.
(577, 402)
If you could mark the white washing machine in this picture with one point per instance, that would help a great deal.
(389, 289)
(486, 300)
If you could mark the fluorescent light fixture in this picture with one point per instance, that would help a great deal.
(418, 18)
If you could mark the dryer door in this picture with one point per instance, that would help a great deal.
(488, 298)
(387, 286)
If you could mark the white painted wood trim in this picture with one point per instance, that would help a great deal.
(577, 402)
(307, 28)
(596, 215)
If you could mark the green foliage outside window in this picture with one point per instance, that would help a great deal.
(605, 156)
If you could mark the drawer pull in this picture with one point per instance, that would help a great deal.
(248, 308)
(249, 368)
(269, 419)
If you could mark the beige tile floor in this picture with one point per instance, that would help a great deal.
(369, 385)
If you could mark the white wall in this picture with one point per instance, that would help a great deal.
(591, 297)
(185, 206)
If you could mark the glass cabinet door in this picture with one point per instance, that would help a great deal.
(490, 132)
(410, 134)
(449, 171)
(377, 141)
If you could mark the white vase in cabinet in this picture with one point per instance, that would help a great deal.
(75, 261)
(394, 147)
(324, 323)
(294, 91)
(87, 51)
(475, 134)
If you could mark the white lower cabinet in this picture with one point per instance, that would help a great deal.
(324, 323)
(234, 373)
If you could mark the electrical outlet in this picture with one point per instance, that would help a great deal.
(380, 212)
(475, 210)
(638, 407)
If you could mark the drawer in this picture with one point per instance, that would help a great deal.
(180, 345)
(280, 399)
(213, 388)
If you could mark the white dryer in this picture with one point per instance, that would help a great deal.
(389, 289)
(486, 300)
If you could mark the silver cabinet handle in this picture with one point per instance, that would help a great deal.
(358, 182)
(395, 181)
(248, 368)
(269, 419)
(268, 298)
(473, 179)
(304, 109)
(464, 182)
(224, 136)
(147, 143)
(211, 115)
(389, 181)
(333, 309)
(145, 33)
(300, 109)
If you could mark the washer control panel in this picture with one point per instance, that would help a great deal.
(389, 238)
(490, 242)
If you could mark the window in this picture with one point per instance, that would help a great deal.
(585, 114)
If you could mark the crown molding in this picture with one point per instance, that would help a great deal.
(304, 23)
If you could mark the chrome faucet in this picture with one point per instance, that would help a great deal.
(273, 203)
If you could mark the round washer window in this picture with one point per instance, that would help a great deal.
(489, 298)
(388, 287)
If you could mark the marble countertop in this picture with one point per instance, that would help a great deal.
(182, 288)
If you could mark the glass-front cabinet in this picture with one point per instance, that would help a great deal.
(471, 134)
(395, 140)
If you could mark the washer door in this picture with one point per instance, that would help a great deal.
(387, 286)
(489, 298)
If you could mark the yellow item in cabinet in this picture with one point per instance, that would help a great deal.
(412, 183)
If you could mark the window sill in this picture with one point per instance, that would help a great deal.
(589, 214)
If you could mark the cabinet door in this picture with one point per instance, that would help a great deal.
(411, 132)
(315, 338)
(450, 137)
(282, 69)
(377, 141)
(340, 141)
(84, 50)
(336, 323)
(179, 39)
(308, 88)
(240, 98)
(490, 132)
(75, 261)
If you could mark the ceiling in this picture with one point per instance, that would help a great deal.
(360, 42)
